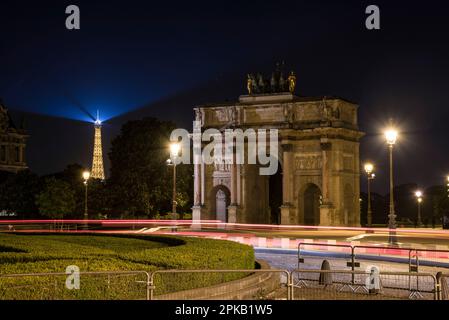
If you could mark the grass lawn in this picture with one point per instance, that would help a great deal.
(53, 253)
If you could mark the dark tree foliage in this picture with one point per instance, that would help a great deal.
(57, 199)
(434, 207)
(140, 184)
(72, 174)
(141, 181)
(18, 192)
(99, 200)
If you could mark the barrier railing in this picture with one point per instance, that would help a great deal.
(416, 257)
(442, 286)
(95, 285)
(220, 284)
(432, 257)
(352, 264)
(356, 285)
(259, 284)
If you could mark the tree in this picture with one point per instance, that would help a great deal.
(99, 199)
(57, 199)
(72, 174)
(17, 194)
(140, 179)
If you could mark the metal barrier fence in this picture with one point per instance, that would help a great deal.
(220, 284)
(426, 257)
(442, 286)
(414, 257)
(111, 285)
(261, 284)
(356, 285)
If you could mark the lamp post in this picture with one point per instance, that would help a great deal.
(447, 185)
(391, 136)
(174, 153)
(86, 176)
(369, 168)
(419, 195)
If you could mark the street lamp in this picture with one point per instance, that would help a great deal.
(86, 176)
(174, 153)
(369, 168)
(419, 195)
(391, 136)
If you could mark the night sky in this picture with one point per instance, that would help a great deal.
(161, 58)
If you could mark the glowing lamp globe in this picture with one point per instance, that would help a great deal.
(174, 149)
(369, 167)
(86, 175)
(391, 136)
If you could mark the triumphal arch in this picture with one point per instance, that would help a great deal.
(317, 181)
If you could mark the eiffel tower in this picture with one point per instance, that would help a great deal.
(97, 161)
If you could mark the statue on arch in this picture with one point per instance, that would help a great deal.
(288, 113)
(282, 83)
(260, 83)
(250, 84)
(291, 82)
(327, 110)
(336, 113)
(273, 83)
(199, 116)
(232, 114)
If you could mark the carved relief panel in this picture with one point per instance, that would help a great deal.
(308, 112)
(263, 114)
(348, 162)
(309, 162)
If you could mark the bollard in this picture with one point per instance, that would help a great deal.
(325, 277)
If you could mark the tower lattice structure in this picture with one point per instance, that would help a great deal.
(97, 161)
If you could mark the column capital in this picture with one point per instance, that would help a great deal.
(326, 146)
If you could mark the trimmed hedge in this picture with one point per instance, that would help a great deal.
(53, 253)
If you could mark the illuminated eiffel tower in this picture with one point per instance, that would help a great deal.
(97, 161)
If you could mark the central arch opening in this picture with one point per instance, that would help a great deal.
(221, 198)
(220, 204)
(312, 199)
(275, 196)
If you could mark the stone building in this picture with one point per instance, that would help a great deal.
(317, 182)
(12, 143)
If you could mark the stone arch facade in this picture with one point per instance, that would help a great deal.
(316, 147)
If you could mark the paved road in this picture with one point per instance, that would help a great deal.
(283, 259)
(408, 237)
